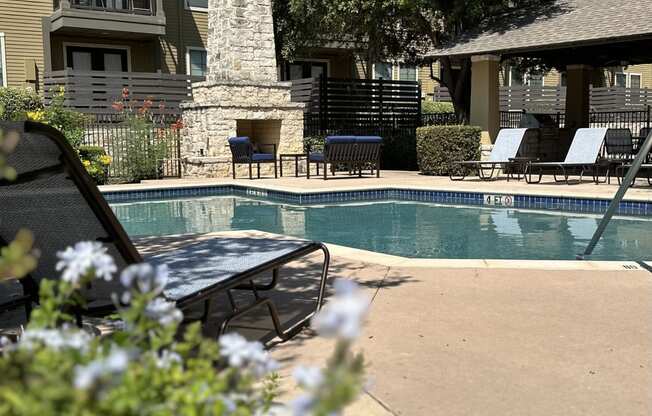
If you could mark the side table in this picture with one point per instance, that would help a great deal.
(296, 156)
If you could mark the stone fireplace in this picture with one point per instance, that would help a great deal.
(241, 95)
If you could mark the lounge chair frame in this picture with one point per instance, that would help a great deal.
(240, 281)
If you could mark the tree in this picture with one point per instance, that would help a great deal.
(376, 30)
(381, 30)
(461, 19)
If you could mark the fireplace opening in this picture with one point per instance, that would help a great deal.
(263, 133)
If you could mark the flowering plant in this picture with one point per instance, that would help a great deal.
(147, 140)
(96, 162)
(70, 123)
(144, 367)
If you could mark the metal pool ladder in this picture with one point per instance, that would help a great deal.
(613, 206)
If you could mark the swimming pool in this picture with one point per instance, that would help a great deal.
(408, 229)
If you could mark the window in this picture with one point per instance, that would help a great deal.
(563, 79)
(197, 61)
(304, 69)
(627, 80)
(407, 73)
(518, 78)
(89, 58)
(620, 80)
(198, 5)
(3, 62)
(383, 70)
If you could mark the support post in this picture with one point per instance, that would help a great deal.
(578, 106)
(485, 103)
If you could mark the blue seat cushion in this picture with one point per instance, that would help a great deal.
(369, 139)
(316, 157)
(239, 140)
(262, 157)
(340, 139)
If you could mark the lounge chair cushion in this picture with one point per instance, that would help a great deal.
(586, 145)
(507, 145)
(207, 263)
(262, 157)
(239, 140)
(340, 139)
(369, 139)
(316, 157)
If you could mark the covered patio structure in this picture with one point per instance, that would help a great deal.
(574, 36)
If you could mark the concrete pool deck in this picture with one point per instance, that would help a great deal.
(408, 180)
(481, 341)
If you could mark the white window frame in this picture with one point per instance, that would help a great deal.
(194, 8)
(194, 48)
(96, 46)
(3, 58)
(526, 79)
(373, 70)
(397, 68)
(628, 78)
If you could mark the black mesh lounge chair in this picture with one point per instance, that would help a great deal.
(55, 198)
(646, 168)
(243, 152)
(583, 155)
(505, 150)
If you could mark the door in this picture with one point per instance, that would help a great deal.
(305, 69)
(81, 58)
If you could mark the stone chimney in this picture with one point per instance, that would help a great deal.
(241, 41)
(241, 95)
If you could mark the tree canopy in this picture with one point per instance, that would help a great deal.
(386, 30)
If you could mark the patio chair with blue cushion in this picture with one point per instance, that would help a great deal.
(338, 150)
(54, 197)
(244, 152)
(368, 153)
(583, 155)
(504, 153)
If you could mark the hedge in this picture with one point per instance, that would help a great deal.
(439, 146)
(16, 102)
(436, 107)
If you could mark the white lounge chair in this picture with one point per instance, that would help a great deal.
(583, 155)
(506, 149)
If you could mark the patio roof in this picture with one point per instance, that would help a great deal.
(566, 24)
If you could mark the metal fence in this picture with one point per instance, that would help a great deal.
(439, 119)
(635, 121)
(117, 139)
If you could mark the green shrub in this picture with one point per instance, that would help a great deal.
(439, 146)
(313, 144)
(70, 123)
(96, 162)
(434, 107)
(15, 103)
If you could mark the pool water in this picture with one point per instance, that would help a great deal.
(408, 229)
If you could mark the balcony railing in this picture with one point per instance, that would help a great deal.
(143, 7)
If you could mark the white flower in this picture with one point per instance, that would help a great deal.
(85, 257)
(166, 313)
(246, 355)
(310, 378)
(302, 405)
(56, 339)
(165, 359)
(342, 317)
(116, 363)
(147, 278)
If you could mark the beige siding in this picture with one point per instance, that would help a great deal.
(21, 24)
(184, 28)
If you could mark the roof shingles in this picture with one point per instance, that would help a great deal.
(569, 22)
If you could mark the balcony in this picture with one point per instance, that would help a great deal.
(121, 18)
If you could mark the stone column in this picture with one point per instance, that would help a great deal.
(485, 104)
(578, 106)
(241, 41)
